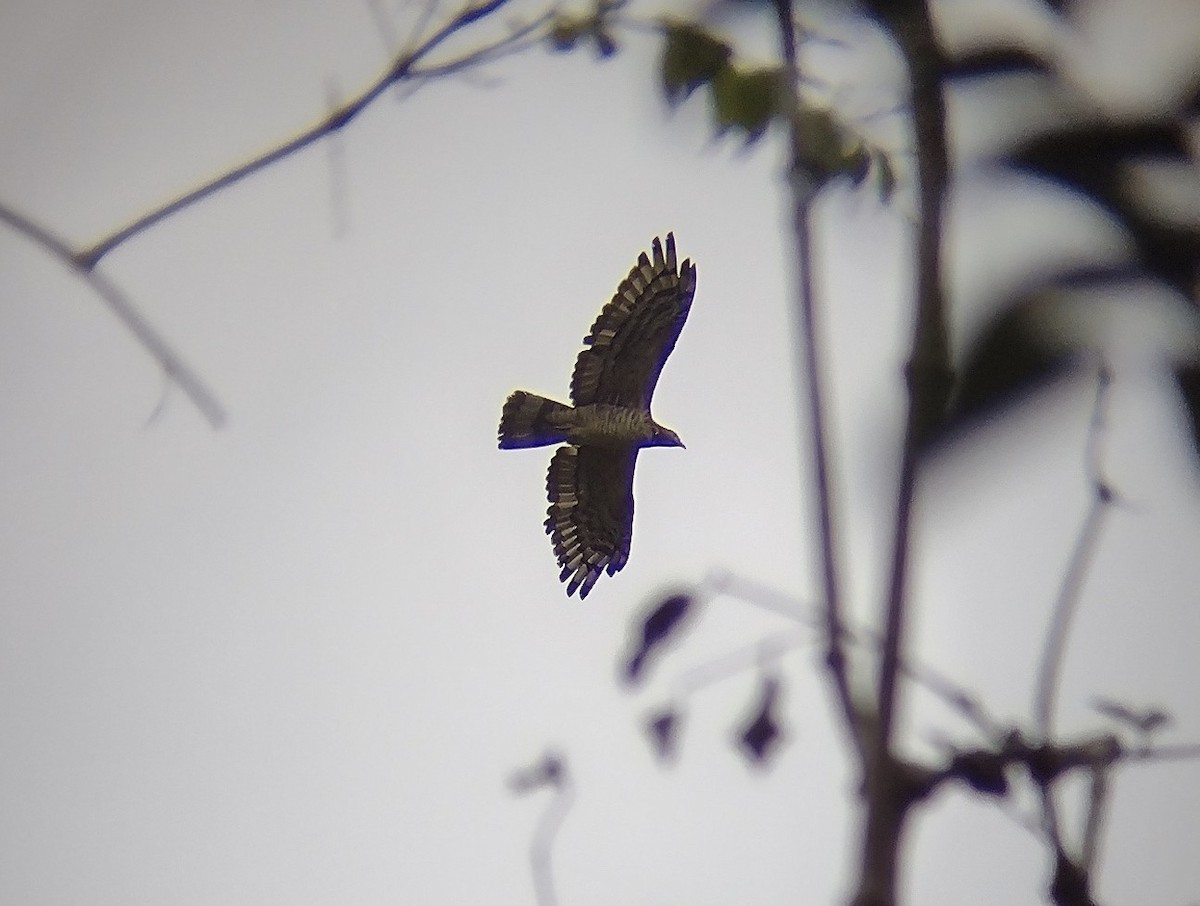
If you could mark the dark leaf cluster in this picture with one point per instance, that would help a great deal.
(659, 625)
(758, 736)
(1097, 157)
(744, 99)
(761, 735)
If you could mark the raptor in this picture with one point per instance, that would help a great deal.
(590, 483)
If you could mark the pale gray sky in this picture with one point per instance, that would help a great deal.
(296, 659)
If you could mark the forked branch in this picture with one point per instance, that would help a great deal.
(119, 304)
(405, 66)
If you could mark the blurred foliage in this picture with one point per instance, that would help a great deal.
(1019, 351)
(1094, 159)
(1097, 157)
(659, 624)
(595, 28)
(748, 99)
(745, 100)
(663, 729)
(691, 57)
(761, 736)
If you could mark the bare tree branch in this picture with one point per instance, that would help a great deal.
(1046, 688)
(1054, 647)
(402, 67)
(1046, 694)
(937, 683)
(119, 304)
(889, 781)
(928, 371)
(521, 38)
(811, 379)
(1097, 808)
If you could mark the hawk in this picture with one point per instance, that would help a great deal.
(590, 483)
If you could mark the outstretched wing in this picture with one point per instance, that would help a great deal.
(636, 331)
(590, 519)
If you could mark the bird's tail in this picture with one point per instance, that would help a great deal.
(530, 420)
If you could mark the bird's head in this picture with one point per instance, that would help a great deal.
(664, 437)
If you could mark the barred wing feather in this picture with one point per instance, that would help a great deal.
(635, 332)
(590, 519)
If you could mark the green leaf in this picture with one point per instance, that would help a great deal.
(747, 100)
(822, 142)
(691, 57)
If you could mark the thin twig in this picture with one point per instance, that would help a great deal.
(1046, 688)
(1189, 751)
(803, 191)
(84, 261)
(752, 591)
(549, 772)
(1067, 601)
(521, 38)
(170, 361)
(936, 682)
(766, 650)
(1080, 561)
(542, 848)
(400, 68)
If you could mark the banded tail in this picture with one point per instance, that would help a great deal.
(529, 420)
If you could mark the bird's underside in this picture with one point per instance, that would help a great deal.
(590, 482)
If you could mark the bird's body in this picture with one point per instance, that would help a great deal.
(590, 483)
(534, 421)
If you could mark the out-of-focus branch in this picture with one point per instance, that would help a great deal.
(1097, 808)
(1046, 688)
(1064, 610)
(550, 772)
(521, 38)
(941, 686)
(889, 780)
(803, 186)
(402, 67)
(1065, 605)
(928, 372)
(119, 304)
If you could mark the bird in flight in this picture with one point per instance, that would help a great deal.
(590, 483)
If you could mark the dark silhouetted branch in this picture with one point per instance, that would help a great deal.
(1046, 689)
(402, 67)
(720, 582)
(118, 303)
(1054, 647)
(804, 187)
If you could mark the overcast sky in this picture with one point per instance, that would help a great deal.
(297, 658)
